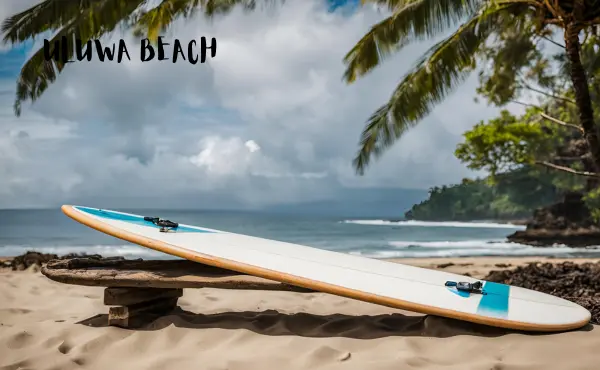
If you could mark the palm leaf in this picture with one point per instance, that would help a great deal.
(47, 15)
(156, 20)
(99, 18)
(415, 20)
(390, 4)
(439, 71)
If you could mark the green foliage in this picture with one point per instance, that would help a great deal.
(506, 143)
(504, 33)
(438, 72)
(519, 48)
(511, 196)
(592, 201)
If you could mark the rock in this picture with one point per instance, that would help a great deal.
(35, 268)
(568, 222)
(30, 258)
(344, 356)
(23, 261)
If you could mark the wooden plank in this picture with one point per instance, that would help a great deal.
(140, 314)
(179, 274)
(114, 296)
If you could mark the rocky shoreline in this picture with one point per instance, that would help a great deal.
(568, 222)
(576, 282)
(36, 259)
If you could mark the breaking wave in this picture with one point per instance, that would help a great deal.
(471, 248)
(474, 224)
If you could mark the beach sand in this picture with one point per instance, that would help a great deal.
(49, 325)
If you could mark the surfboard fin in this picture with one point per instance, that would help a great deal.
(165, 225)
(475, 287)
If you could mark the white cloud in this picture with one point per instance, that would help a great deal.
(267, 120)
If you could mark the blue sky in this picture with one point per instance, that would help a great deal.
(12, 59)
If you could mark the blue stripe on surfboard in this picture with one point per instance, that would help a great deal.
(137, 220)
(495, 302)
(461, 293)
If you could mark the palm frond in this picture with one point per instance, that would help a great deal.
(437, 73)
(212, 8)
(47, 15)
(156, 20)
(89, 23)
(415, 20)
(389, 4)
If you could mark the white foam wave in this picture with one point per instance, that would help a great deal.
(471, 248)
(394, 249)
(462, 244)
(474, 224)
(468, 252)
(128, 250)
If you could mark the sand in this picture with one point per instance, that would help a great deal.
(49, 325)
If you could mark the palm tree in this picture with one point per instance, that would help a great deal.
(445, 65)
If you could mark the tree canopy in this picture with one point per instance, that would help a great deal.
(513, 28)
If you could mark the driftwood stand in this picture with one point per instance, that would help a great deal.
(139, 291)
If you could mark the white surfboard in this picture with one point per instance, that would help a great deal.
(377, 281)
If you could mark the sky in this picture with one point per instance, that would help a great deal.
(267, 121)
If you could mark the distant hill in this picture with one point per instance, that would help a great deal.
(367, 202)
(514, 196)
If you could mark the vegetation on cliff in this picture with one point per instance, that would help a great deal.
(512, 196)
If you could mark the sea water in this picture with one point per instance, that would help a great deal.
(50, 231)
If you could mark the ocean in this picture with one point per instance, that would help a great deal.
(50, 231)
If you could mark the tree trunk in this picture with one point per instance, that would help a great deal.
(582, 92)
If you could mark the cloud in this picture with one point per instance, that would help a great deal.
(268, 120)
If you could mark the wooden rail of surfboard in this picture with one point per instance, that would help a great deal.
(308, 283)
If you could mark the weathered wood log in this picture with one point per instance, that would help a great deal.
(178, 274)
(141, 313)
(146, 290)
(114, 296)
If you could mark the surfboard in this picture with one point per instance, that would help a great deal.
(371, 280)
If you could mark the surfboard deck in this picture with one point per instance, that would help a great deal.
(371, 280)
